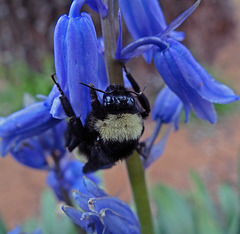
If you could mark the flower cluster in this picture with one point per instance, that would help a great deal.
(36, 133)
(101, 213)
(195, 87)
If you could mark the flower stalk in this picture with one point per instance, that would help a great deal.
(113, 67)
(134, 165)
(140, 193)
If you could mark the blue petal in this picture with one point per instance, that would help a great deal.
(202, 81)
(143, 18)
(172, 67)
(88, 221)
(76, 59)
(53, 139)
(16, 230)
(156, 150)
(60, 50)
(30, 121)
(98, 6)
(82, 63)
(116, 205)
(30, 153)
(179, 20)
(118, 224)
(53, 183)
(165, 105)
(81, 200)
(93, 189)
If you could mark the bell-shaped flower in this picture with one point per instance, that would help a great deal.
(101, 213)
(76, 59)
(97, 5)
(166, 110)
(27, 122)
(167, 107)
(72, 177)
(145, 18)
(196, 88)
(33, 152)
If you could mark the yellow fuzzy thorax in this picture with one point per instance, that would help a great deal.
(121, 127)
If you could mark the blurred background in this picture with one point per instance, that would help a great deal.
(26, 64)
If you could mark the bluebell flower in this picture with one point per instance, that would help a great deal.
(167, 107)
(101, 213)
(196, 88)
(71, 177)
(28, 122)
(34, 151)
(96, 5)
(166, 110)
(145, 18)
(76, 59)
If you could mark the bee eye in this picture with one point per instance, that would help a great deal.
(108, 100)
(130, 101)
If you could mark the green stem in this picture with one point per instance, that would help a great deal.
(134, 165)
(113, 67)
(140, 194)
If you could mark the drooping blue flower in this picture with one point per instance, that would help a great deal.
(145, 18)
(98, 6)
(71, 177)
(196, 88)
(76, 59)
(28, 122)
(166, 110)
(167, 107)
(181, 72)
(101, 213)
(34, 151)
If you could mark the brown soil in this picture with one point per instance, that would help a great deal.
(210, 150)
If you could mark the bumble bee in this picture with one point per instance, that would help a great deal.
(112, 128)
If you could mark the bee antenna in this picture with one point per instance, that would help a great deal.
(140, 93)
(92, 87)
(56, 83)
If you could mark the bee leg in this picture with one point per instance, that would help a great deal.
(96, 105)
(74, 131)
(141, 97)
(143, 150)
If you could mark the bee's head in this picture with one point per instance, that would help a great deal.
(117, 98)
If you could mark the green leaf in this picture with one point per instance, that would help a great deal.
(48, 208)
(54, 220)
(229, 205)
(3, 229)
(30, 225)
(204, 211)
(174, 214)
